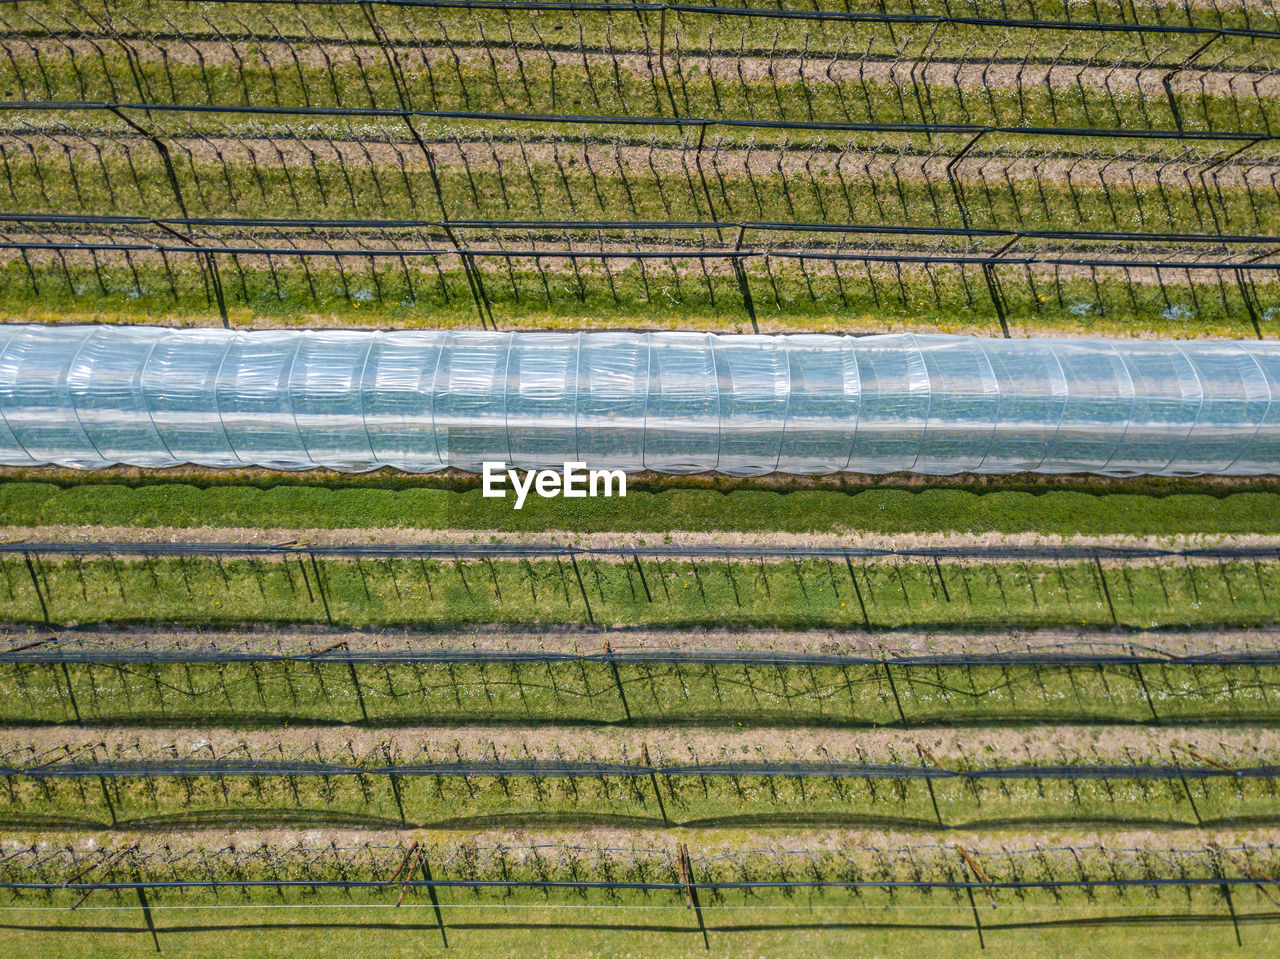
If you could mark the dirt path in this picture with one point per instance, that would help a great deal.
(849, 539)
(619, 843)
(589, 641)
(975, 747)
(1064, 69)
(579, 158)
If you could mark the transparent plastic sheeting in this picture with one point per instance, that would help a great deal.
(674, 402)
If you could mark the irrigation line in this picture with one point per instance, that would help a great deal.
(828, 126)
(771, 226)
(758, 13)
(579, 907)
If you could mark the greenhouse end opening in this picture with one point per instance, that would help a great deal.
(93, 396)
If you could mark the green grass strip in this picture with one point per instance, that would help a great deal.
(256, 924)
(812, 593)
(424, 505)
(328, 690)
(786, 297)
(616, 88)
(721, 799)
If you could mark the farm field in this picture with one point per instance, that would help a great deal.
(316, 713)
(966, 178)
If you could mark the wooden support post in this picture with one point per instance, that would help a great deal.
(1261, 879)
(106, 870)
(76, 876)
(411, 859)
(31, 645)
(1209, 761)
(409, 855)
(978, 871)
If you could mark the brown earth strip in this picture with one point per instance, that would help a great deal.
(951, 747)
(1257, 167)
(616, 843)
(295, 641)
(848, 539)
(1067, 67)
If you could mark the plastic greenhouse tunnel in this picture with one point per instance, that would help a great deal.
(90, 396)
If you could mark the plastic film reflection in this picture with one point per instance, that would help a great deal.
(86, 397)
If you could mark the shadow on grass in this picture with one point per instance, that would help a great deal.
(719, 618)
(1075, 922)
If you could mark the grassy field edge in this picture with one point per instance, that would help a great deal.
(452, 504)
